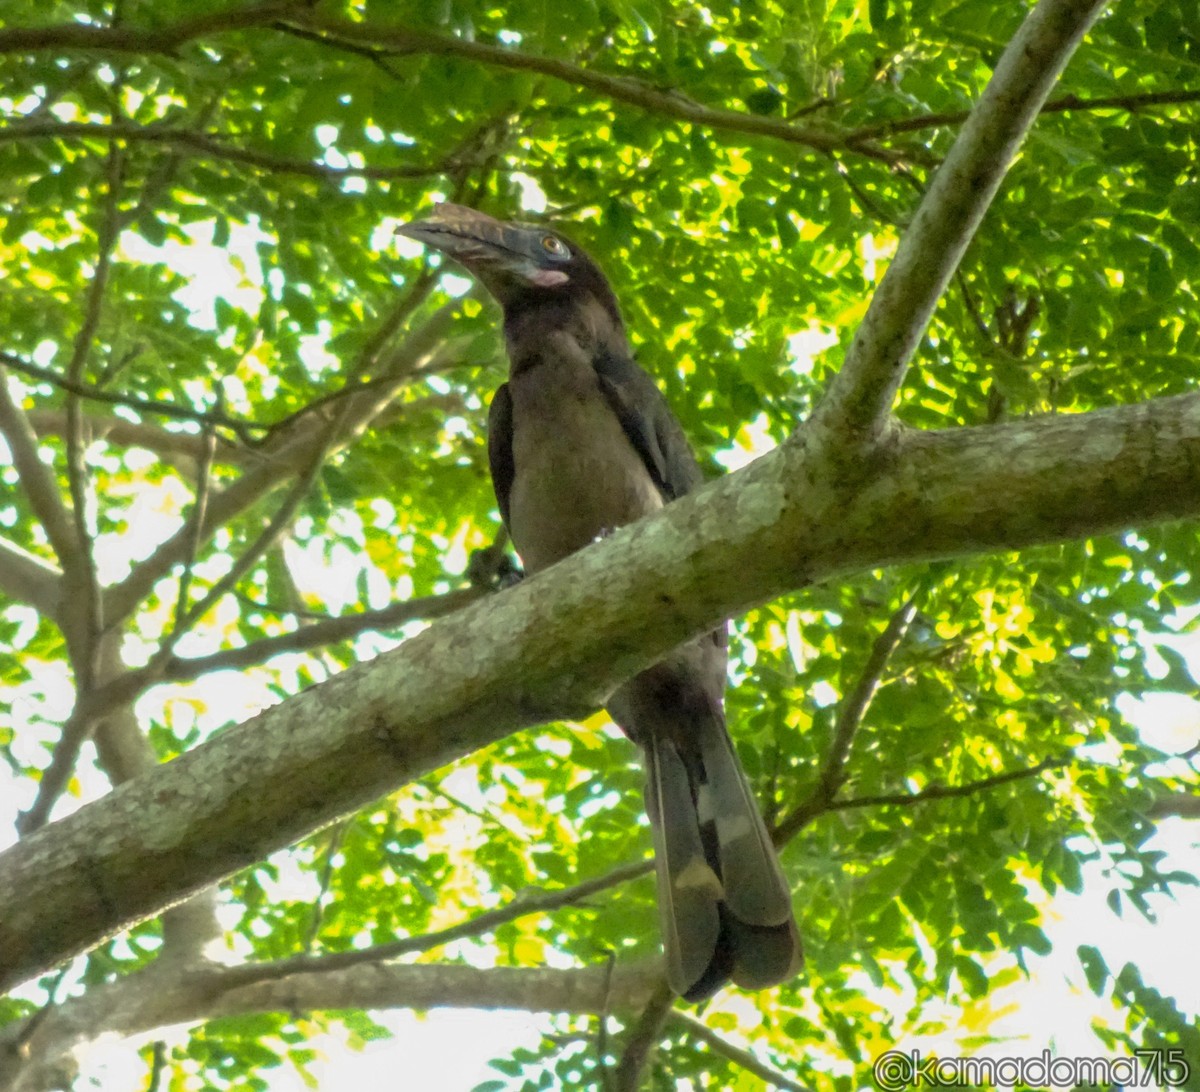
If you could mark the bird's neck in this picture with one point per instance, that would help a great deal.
(533, 323)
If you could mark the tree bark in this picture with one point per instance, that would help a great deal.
(520, 659)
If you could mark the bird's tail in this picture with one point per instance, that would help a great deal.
(725, 906)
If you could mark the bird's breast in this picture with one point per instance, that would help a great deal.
(576, 473)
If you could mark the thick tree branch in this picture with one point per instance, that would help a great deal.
(643, 1038)
(1181, 805)
(519, 658)
(143, 1003)
(26, 578)
(86, 597)
(184, 450)
(37, 479)
(141, 40)
(861, 394)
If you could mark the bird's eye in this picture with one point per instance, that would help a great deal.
(555, 246)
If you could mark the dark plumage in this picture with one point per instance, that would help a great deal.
(581, 441)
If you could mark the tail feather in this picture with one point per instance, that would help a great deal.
(755, 889)
(763, 955)
(725, 906)
(688, 890)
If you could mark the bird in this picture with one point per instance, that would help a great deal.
(581, 441)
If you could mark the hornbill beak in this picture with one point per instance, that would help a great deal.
(503, 256)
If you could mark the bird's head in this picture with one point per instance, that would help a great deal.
(524, 266)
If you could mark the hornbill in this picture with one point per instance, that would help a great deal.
(581, 441)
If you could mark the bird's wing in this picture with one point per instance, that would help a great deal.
(650, 425)
(500, 447)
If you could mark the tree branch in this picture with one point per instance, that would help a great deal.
(860, 397)
(627, 88)
(1182, 805)
(947, 792)
(520, 658)
(184, 450)
(143, 1003)
(288, 451)
(211, 145)
(639, 1048)
(319, 634)
(196, 522)
(850, 715)
(697, 1029)
(81, 572)
(142, 40)
(1066, 104)
(37, 479)
(524, 904)
(163, 409)
(26, 578)
(858, 701)
(381, 40)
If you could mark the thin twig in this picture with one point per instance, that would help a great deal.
(622, 87)
(741, 1057)
(946, 792)
(858, 701)
(163, 409)
(868, 203)
(279, 522)
(1131, 103)
(166, 168)
(196, 523)
(850, 715)
(57, 774)
(279, 609)
(320, 634)
(212, 145)
(973, 308)
(524, 904)
(158, 1066)
(318, 910)
(35, 1021)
